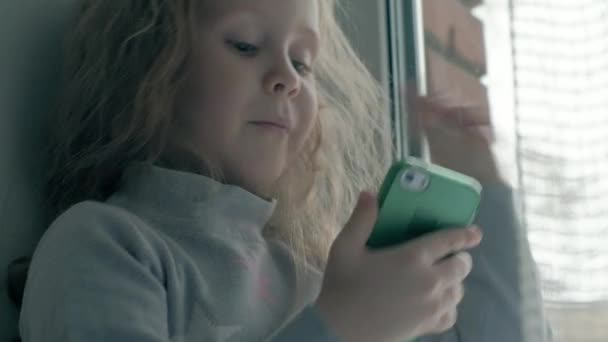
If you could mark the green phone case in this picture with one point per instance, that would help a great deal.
(408, 208)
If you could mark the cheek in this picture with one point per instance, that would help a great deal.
(311, 104)
(200, 123)
(210, 98)
(308, 109)
(217, 79)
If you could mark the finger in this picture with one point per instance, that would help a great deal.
(438, 105)
(446, 321)
(359, 227)
(436, 101)
(436, 246)
(454, 269)
(453, 296)
(439, 132)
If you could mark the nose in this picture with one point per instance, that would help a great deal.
(282, 80)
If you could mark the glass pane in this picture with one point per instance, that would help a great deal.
(534, 74)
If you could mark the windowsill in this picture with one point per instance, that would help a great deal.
(578, 322)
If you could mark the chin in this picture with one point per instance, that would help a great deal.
(261, 182)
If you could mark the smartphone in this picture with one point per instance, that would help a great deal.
(418, 198)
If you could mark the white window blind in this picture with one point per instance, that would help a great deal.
(548, 79)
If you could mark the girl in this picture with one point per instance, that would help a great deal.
(206, 155)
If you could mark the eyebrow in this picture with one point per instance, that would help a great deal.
(236, 16)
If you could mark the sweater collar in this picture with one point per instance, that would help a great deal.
(185, 195)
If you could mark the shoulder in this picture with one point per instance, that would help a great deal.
(93, 213)
(95, 229)
(94, 255)
(498, 190)
(497, 200)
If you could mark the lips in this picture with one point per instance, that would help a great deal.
(280, 124)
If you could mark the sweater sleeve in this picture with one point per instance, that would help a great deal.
(307, 326)
(494, 297)
(93, 278)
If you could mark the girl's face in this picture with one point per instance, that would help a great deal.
(251, 101)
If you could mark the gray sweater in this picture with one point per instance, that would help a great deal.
(174, 256)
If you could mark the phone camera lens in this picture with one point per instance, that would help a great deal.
(410, 176)
(414, 180)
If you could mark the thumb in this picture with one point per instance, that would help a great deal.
(359, 227)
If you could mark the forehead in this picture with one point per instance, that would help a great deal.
(295, 12)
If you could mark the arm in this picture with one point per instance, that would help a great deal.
(306, 326)
(91, 280)
(493, 306)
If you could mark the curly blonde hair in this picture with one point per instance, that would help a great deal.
(125, 66)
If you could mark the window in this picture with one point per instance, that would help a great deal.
(537, 73)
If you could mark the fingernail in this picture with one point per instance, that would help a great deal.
(475, 234)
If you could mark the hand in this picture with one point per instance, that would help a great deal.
(398, 293)
(454, 141)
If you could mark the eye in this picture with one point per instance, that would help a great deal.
(302, 68)
(244, 49)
